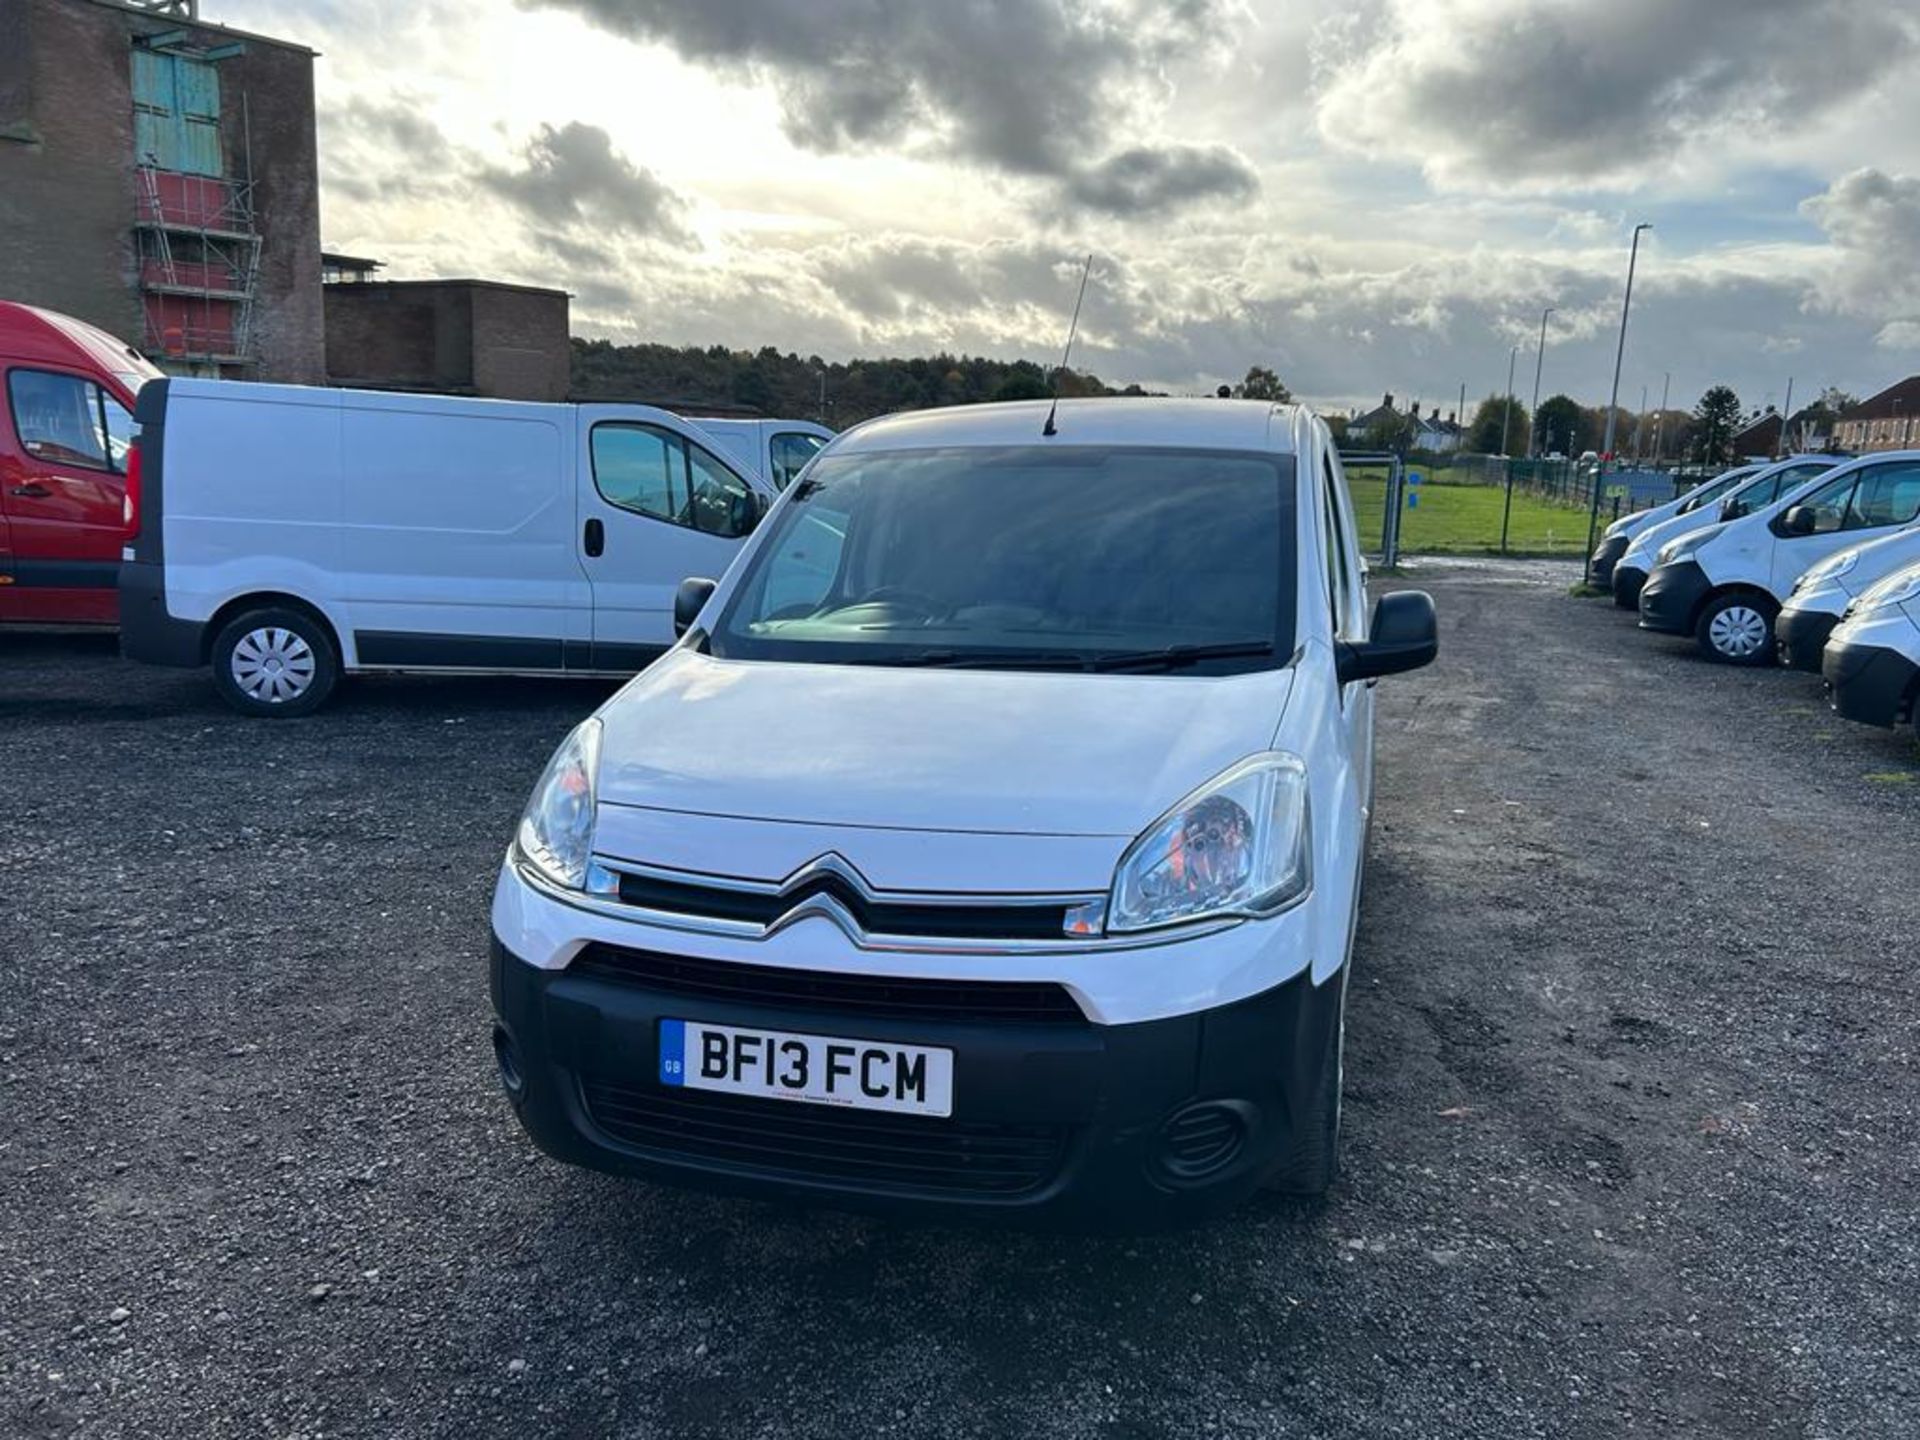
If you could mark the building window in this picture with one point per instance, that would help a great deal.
(176, 113)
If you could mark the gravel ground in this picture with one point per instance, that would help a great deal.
(1631, 1124)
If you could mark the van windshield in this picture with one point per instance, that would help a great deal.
(1026, 557)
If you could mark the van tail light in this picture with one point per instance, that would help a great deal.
(130, 504)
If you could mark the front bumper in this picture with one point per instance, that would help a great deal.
(1869, 683)
(1670, 600)
(1055, 1122)
(1607, 555)
(1626, 581)
(1801, 635)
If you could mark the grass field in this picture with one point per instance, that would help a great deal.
(1465, 520)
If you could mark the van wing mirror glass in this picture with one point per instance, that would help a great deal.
(1800, 520)
(688, 601)
(1405, 635)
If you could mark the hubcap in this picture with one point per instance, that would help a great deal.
(1738, 631)
(272, 665)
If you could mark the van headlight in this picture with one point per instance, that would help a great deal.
(1675, 551)
(1888, 593)
(1832, 568)
(1238, 846)
(556, 832)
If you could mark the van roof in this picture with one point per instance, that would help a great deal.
(1208, 424)
(30, 333)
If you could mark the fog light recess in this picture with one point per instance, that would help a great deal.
(508, 1059)
(1201, 1140)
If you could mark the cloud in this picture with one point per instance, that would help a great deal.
(1569, 95)
(573, 174)
(1873, 220)
(1030, 88)
(386, 149)
(1144, 181)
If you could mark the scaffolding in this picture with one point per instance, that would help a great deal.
(199, 251)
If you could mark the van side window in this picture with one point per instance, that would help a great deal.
(790, 453)
(656, 473)
(1339, 576)
(1830, 503)
(1886, 495)
(66, 420)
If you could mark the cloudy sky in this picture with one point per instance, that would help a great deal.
(1367, 195)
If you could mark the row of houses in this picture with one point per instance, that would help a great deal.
(1429, 432)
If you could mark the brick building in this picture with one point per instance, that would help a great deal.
(454, 337)
(1887, 421)
(158, 179)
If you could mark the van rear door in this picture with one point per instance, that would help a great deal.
(656, 505)
(62, 484)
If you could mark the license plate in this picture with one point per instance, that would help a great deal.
(815, 1069)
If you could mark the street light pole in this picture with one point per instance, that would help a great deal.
(1539, 359)
(1786, 414)
(1660, 420)
(1613, 400)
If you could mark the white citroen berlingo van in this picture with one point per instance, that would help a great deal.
(1043, 902)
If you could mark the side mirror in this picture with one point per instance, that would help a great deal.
(688, 601)
(1799, 521)
(1405, 635)
(1731, 509)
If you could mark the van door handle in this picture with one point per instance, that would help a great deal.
(595, 538)
(33, 490)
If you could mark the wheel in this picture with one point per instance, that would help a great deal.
(1737, 629)
(1308, 1167)
(277, 663)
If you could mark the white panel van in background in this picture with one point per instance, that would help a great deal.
(285, 535)
(771, 450)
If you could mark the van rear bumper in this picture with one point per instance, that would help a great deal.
(147, 632)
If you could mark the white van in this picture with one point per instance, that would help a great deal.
(1754, 486)
(1724, 585)
(1044, 904)
(1872, 660)
(1616, 538)
(1821, 596)
(773, 451)
(286, 535)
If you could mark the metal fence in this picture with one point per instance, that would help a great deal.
(1486, 505)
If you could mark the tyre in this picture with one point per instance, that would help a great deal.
(1737, 630)
(1309, 1166)
(277, 663)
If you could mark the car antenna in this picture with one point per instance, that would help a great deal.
(1054, 409)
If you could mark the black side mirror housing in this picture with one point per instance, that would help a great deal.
(1798, 521)
(1405, 635)
(688, 601)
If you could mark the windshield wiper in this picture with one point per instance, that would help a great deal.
(1174, 656)
(988, 660)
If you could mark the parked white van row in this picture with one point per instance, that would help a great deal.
(287, 535)
(1725, 584)
(1872, 659)
(1729, 496)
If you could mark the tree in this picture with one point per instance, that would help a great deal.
(1498, 417)
(1262, 384)
(1715, 419)
(1019, 386)
(1837, 400)
(1392, 431)
(1560, 424)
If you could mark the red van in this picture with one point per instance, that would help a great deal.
(66, 427)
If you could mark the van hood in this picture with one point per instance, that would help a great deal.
(1006, 752)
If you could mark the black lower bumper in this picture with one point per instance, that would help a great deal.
(1069, 1124)
(1800, 635)
(1627, 580)
(1606, 556)
(1869, 683)
(1670, 600)
(147, 631)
